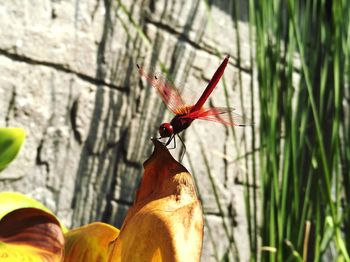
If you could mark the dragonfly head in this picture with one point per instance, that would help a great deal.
(166, 130)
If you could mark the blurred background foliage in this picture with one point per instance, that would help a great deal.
(302, 66)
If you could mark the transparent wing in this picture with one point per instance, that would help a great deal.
(170, 95)
(223, 115)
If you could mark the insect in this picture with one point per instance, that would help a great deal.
(185, 114)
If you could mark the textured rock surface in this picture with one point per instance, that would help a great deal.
(68, 77)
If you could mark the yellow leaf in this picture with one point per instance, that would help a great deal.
(30, 234)
(91, 241)
(166, 222)
(10, 201)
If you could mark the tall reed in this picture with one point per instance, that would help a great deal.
(302, 64)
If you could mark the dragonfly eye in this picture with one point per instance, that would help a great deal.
(165, 130)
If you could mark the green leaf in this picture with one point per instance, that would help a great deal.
(11, 140)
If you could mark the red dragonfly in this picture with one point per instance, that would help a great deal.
(185, 114)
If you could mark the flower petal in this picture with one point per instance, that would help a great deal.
(166, 221)
(30, 234)
(91, 241)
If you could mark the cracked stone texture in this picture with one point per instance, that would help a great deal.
(68, 76)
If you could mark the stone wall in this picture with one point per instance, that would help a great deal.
(69, 77)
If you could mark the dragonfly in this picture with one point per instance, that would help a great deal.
(184, 113)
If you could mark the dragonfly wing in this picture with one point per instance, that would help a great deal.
(223, 115)
(168, 92)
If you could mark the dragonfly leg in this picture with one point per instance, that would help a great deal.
(183, 150)
(172, 137)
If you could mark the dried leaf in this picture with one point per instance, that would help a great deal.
(92, 241)
(30, 234)
(165, 222)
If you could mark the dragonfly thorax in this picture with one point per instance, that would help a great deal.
(166, 130)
